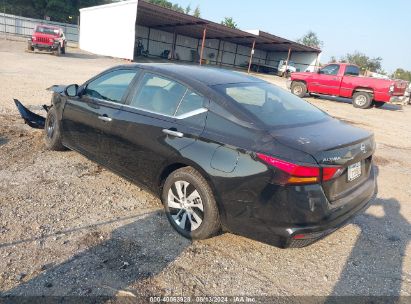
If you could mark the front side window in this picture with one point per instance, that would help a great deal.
(111, 86)
(331, 69)
(271, 105)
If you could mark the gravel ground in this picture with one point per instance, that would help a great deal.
(69, 227)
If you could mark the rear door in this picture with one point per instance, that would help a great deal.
(327, 81)
(88, 117)
(161, 116)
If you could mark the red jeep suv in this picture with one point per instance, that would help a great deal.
(48, 38)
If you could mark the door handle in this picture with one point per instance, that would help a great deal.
(173, 133)
(105, 118)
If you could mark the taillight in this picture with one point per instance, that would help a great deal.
(298, 174)
(392, 88)
(331, 172)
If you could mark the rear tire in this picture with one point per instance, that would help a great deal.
(362, 100)
(52, 131)
(190, 205)
(298, 88)
(378, 104)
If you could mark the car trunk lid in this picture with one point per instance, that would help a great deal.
(334, 143)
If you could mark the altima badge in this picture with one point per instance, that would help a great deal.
(363, 148)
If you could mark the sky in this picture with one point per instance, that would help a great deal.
(378, 28)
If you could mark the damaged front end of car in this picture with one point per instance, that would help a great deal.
(32, 119)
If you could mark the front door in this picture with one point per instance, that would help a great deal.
(160, 118)
(88, 117)
(327, 81)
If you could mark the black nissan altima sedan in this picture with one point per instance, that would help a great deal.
(223, 150)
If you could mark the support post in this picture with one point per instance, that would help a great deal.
(286, 63)
(317, 63)
(202, 45)
(173, 46)
(251, 57)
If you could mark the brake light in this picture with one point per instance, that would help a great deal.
(331, 172)
(298, 174)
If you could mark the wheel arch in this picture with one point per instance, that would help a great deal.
(362, 89)
(175, 164)
(299, 80)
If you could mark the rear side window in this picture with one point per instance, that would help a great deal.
(271, 105)
(331, 69)
(111, 86)
(158, 94)
(164, 96)
(190, 102)
(352, 70)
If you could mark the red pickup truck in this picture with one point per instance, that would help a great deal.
(343, 80)
(48, 38)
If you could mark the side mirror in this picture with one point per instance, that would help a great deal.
(71, 90)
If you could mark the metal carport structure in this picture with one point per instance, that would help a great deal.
(134, 28)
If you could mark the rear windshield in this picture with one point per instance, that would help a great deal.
(47, 30)
(273, 106)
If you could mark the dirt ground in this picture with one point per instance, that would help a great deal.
(68, 227)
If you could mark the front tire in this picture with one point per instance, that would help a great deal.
(298, 88)
(52, 131)
(30, 48)
(190, 205)
(362, 100)
(58, 51)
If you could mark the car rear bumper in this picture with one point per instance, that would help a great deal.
(300, 215)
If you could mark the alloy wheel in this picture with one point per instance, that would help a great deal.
(51, 126)
(297, 90)
(361, 100)
(185, 205)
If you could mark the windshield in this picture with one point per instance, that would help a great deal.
(47, 30)
(273, 106)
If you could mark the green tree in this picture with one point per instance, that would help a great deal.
(176, 7)
(197, 12)
(333, 59)
(57, 10)
(229, 22)
(363, 61)
(311, 39)
(402, 74)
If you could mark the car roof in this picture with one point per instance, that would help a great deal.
(206, 75)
